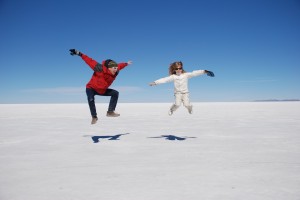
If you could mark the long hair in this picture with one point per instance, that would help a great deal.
(174, 66)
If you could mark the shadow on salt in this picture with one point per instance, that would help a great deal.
(172, 137)
(96, 139)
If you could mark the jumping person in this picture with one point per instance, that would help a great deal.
(180, 78)
(104, 75)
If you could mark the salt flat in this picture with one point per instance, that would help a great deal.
(227, 151)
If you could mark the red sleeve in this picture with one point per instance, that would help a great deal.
(92, 63)
(122, 65)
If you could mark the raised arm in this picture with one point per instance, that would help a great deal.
(162, 80)
(200, 72)
(122, 65)
(92, 63)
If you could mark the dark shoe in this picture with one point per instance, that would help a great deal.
(112, 114)
(94, 120)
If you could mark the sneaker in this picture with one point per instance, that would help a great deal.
(94, 120)
(190, 109)
(172, 109)
(112, 114)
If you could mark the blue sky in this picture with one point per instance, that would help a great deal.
(252, 46)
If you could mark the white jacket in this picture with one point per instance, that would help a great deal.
(180, 81)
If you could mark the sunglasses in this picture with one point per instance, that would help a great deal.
(178, 69)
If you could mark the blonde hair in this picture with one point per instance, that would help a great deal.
(174, 66)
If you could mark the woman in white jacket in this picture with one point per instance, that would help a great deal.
(180, 78)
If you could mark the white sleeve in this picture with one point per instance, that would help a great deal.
(164, 80)
(195, 73)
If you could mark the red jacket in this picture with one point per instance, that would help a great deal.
(101, 79)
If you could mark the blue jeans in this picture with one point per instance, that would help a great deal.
(114, 95)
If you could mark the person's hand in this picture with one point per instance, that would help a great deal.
(129, 62)
(75, 52)
(152, 83)
(209, 73)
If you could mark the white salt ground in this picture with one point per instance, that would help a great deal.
(227, 151)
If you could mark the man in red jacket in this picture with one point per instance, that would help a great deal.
(104, 75)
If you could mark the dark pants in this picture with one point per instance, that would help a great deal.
(114, 95)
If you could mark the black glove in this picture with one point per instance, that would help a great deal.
(75, 52)
(209, 73)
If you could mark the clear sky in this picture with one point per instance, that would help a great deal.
(252, 46)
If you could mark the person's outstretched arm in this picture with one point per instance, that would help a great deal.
(92, 63)
(200, 72)
(162, 80)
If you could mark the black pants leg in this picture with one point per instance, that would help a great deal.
(91, 100)
(114, 96)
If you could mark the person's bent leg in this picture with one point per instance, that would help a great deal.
(186, 102)
(177, 103)
(114, 96)
(91, 100)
